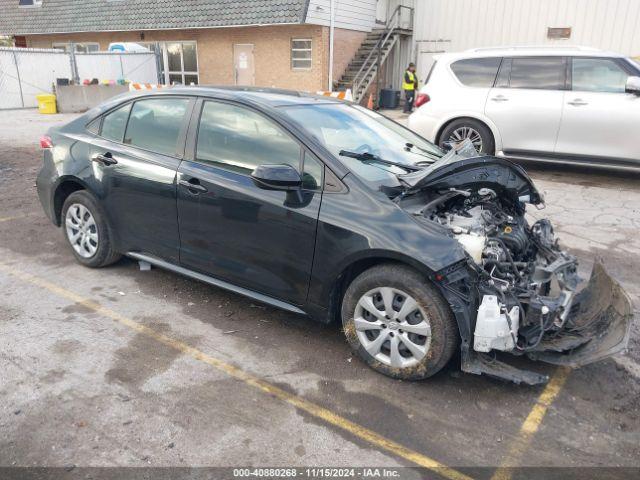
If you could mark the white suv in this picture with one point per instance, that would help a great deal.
(570, 105)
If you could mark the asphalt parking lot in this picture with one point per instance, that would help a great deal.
(122, 367)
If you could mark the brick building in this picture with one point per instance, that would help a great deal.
(272, 43)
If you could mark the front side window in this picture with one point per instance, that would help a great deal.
(312, 172)
(239, 139)
(540, 73)
(597, 75)
(476, 72)
(301, 53)
(114, 123)
(155, 124)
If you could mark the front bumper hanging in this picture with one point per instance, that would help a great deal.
(598, 325)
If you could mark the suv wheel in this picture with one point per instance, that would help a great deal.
(474, 130)
(86, 230)
(398, 323)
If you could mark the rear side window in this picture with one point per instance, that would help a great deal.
(239, 139)
(155, 124)
(597, 75)
(476, 72)
(542, 73)
(114, 123)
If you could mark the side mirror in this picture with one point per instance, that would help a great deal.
(276, 177)
(633, 85)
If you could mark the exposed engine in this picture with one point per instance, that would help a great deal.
(516, 290)
(526, 282)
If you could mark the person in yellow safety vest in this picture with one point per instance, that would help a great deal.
(409, 85)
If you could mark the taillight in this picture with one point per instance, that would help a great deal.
(422, 99)
(45, 142)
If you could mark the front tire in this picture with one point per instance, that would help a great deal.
(476, 131)
(398, 323)
(85, 228)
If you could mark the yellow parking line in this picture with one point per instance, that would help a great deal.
(6, 219)
(317, 411)
(532, 424)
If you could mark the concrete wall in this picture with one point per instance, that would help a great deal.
(272, 51)
(80, 98)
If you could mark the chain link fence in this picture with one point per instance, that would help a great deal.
(27, 72)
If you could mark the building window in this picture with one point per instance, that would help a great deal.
(30, 3)
(301, 53)
(178, 61)
(83, 47)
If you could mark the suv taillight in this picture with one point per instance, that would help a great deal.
(422, 99)
(45, 142)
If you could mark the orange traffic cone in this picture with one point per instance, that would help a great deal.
(370, 102)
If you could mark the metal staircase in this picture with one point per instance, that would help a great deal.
(372, 54)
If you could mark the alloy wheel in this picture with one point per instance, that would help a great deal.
(392, 327)
(82, 231)
(462, 133)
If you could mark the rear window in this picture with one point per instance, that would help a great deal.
(476, 72)
(155, 124)
(542, 73)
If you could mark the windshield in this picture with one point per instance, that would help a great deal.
(342, 127)
(635, 63)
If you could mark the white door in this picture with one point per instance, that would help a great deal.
(526, 103)
(599, 119)
(243, 64)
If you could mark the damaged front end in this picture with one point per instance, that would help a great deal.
(518, 292)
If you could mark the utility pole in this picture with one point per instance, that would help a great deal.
(332, 22)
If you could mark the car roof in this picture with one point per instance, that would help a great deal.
(270, 97)
(528, 51)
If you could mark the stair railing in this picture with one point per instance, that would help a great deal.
(393, 23)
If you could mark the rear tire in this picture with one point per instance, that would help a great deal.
(420, 332)
(85, 228)
(475, 130)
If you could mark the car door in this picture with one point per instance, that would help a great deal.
(526, 103)
(135, 158)
(599, 118)
(258, 239)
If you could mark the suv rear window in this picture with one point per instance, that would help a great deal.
(476, 72)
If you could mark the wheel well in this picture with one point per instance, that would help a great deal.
(65, 189)
(446, 124)
(348, 275)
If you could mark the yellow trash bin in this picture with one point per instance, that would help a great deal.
(46, 103)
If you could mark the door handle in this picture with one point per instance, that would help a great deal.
(578, 102)
(500, 98)
(193, 185)
(105, 159)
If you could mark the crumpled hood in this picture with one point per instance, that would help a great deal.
(498, 174)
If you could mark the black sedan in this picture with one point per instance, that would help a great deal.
(329, 209)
